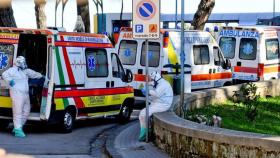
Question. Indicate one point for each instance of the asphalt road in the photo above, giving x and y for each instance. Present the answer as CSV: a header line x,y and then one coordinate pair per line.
x,y
42,140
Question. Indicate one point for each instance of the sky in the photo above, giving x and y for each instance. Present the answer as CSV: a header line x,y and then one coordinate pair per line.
x,y
25,15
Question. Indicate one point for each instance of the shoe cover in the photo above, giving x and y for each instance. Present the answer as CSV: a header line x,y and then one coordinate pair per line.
x,y
142,136
19,133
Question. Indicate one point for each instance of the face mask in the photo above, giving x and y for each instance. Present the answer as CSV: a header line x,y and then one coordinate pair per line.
x,y
22,66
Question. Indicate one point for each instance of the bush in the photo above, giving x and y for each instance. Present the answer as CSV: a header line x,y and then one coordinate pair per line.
x,y
249,97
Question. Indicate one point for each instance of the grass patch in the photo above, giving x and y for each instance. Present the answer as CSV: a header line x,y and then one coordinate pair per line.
x,y
234,117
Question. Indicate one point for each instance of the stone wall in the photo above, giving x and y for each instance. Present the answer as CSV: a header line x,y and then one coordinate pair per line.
x,y
183,138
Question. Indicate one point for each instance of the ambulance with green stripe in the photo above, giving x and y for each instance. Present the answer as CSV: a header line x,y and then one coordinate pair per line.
x,y
85,78
202,53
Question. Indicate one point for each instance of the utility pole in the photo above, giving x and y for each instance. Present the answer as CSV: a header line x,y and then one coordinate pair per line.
x,y
273,9
176,14
182,55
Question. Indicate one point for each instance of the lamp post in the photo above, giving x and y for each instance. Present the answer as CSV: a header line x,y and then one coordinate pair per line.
x,y
55,13
63,6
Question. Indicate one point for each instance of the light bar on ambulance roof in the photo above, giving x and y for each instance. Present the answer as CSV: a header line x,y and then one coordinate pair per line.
x,y
165,38
216,28
126,29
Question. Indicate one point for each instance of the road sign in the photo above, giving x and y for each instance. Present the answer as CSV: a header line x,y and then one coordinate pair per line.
x,y
146,19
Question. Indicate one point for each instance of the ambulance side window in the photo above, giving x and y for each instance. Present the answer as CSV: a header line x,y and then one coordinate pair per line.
x,y
272,49
218,59
127,52
248,49
227,44
97,63
117,69
201,55
154,54
6,57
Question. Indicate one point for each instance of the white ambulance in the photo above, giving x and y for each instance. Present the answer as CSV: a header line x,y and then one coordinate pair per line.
x,y
85,78
252,50
208,67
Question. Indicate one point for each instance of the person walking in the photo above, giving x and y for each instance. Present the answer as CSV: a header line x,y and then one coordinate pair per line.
x,y
160,98
17,78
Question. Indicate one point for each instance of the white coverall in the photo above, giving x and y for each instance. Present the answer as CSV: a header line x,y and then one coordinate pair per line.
x,y
160,98
20,92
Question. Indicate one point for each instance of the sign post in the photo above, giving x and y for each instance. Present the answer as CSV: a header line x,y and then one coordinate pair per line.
x,y
146,25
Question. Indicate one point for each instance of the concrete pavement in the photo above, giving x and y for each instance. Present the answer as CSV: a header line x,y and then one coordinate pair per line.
x,y
125,144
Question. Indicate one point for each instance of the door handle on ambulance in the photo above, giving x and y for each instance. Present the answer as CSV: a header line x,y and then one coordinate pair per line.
x,y
140,71
112,83
107,84
210,71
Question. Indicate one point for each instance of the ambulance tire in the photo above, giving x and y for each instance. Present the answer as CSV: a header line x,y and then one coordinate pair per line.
x,y
67,122
4,124
125,113
228,84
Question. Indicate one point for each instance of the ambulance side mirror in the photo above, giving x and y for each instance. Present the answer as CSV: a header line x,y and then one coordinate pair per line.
x,y
227,64
128,76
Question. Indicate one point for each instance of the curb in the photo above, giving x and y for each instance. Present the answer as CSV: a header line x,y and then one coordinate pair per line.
x,y
110,149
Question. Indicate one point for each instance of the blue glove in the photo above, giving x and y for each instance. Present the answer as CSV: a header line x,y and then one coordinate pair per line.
x,y
143,90
12,83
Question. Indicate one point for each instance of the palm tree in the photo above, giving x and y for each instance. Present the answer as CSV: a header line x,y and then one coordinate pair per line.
x,y
83,11
40,13
202,14
6,14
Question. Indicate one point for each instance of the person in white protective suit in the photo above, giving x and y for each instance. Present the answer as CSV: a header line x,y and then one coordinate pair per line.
x,y
17,78
161,97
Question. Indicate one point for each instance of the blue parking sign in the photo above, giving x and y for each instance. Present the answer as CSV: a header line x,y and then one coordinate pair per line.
x,y
139,28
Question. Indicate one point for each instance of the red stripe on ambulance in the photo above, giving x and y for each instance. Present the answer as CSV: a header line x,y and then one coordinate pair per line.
x,y
245,69
214,76
92,92
78,101
83,44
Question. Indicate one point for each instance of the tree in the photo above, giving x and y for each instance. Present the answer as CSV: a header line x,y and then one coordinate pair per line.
x,y
40,14
83,11
6,14
202,14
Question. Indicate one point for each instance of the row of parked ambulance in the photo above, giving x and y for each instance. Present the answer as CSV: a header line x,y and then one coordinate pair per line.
x,y
87,77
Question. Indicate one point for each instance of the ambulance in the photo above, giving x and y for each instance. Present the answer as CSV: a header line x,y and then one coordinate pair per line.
x,y
84,76
204,62
252,50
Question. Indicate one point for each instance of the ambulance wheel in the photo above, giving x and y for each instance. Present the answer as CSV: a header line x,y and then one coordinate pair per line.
x,y
228,84
68,121
124,115
4,124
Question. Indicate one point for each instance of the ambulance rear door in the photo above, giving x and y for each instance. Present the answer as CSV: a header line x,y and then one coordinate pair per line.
x,y
7,55
128,50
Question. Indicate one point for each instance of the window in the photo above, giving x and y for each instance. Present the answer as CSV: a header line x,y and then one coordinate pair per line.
x,y
248,49
117,69
201,55
127,52
154,54
6,57
272,49
218,58
97,63
227,44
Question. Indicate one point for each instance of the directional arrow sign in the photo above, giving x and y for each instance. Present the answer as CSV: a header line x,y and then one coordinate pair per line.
x,y
146,19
